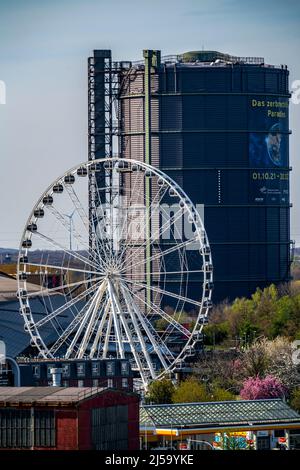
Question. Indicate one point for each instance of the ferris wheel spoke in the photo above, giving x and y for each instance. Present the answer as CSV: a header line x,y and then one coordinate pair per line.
x,y
143,231
142,246
69,330
84,322
86,222
99,334
66,306
43,292
172,272
100,249
78,206
105,245
61,268
107,336
133,194
92,322
176,247
71,253
89,225
128,333
158,345
165,292
154,206
114,310
132,312
170,320
66,224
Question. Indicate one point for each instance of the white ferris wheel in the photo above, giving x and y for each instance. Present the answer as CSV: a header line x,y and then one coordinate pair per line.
x,y
122,267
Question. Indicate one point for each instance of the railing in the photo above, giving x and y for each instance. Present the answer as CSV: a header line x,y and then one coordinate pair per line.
x,y
227,58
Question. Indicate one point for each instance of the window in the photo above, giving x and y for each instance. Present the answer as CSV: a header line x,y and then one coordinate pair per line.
x,y
294,439
124,383
124,368
15,428
263,443
110,383
110,368
44,428
80,383
80,369
95,368
95,382
66,370
36,371
49,367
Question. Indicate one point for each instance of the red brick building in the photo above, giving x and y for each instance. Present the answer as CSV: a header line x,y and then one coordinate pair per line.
x,y
68,418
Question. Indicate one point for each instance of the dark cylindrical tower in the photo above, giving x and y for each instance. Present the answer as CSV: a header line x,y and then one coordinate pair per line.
x,y
219,126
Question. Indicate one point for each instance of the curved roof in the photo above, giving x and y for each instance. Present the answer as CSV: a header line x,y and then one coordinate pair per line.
x,y
12,323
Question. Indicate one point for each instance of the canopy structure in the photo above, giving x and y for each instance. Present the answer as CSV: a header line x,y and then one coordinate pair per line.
x,y
211,417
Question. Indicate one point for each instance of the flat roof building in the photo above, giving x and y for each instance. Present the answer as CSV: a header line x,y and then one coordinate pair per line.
x,y
264,423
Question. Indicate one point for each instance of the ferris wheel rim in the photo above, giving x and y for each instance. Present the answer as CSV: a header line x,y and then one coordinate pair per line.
x,y
191,211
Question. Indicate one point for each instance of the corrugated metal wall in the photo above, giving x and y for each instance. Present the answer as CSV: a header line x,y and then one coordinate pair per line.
x,y
110,428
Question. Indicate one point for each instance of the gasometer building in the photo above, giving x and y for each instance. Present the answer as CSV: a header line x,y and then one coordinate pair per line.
x,y
219,126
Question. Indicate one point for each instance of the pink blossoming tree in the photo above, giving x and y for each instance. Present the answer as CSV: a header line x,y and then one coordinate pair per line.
x,y
255,388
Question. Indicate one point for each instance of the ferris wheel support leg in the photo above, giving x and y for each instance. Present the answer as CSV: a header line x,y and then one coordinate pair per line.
x,y
156,347
71,348
113,299
106,341
92,321
132,314
100,329
129,337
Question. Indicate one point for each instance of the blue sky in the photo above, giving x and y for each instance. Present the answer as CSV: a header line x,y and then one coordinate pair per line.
x,y
43,50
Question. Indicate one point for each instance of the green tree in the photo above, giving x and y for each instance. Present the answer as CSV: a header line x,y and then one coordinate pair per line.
x,y
247,332
220,394
295,400
240,314
216,333
190,391
282,315
160,392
